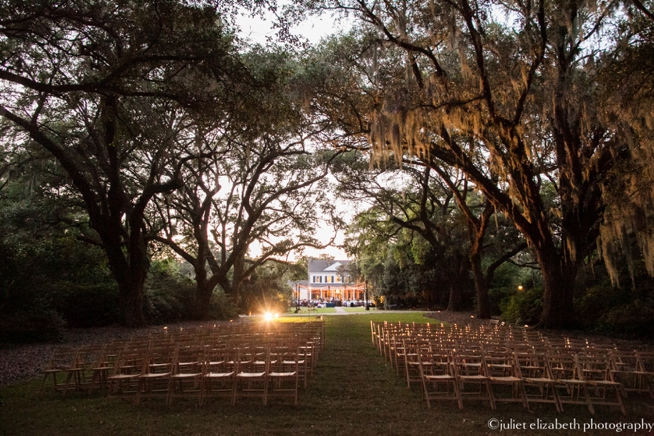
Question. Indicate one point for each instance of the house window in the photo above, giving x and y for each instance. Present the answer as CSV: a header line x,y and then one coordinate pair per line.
x,y
338,279
317,279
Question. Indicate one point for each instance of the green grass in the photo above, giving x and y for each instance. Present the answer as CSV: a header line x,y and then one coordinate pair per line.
x,y
306,311
354,392
357,309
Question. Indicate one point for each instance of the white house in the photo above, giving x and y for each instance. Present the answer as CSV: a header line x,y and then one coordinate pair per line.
x,y
328,280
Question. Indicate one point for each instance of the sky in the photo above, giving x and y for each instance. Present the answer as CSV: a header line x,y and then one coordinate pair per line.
x,y
257,29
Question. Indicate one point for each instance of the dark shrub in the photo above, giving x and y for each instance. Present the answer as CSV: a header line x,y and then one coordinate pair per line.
x,y
222,306
168,295
596,301
84,305
523,307
497,295
35,325
635,319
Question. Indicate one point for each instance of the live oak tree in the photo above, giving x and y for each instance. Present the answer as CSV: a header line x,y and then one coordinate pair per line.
x,y
478,213
44,264
267,191
514,82
627,87
257,182
409,199
109,89
437,206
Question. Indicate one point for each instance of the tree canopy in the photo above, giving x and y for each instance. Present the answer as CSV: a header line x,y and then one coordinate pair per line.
x,y
466,136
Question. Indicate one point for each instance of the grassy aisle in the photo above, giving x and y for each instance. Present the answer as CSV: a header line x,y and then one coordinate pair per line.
x,y
354,392
357,392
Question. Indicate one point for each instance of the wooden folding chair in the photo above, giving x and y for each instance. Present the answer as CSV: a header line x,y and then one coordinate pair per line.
x,y
572,388
472,376
625,369
437,375
539,384
61,361
129,366
155,379
187,372
503,371
374,332
253,382
308,356
285,381
645,371
83,371
412,362
398,353
596,370
218,376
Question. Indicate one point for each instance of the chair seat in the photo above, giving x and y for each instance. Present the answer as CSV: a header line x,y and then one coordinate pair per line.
x,y
251,374
603,383
187,375
538,380
123,376
508,379
219,374
292,362
572,381
439,377
155,375
473,377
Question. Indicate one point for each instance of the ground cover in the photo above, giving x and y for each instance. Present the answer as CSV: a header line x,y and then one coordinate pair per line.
x,y
314,310
357,309
354,391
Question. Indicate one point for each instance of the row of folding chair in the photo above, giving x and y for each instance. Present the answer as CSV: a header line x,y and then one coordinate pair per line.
x,y
89,367
494,377
206,372
532,368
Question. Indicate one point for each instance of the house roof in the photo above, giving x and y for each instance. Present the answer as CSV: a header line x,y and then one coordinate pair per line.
x,y
326,265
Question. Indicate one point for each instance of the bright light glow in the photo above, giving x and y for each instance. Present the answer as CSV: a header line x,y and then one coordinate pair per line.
x,y
268,316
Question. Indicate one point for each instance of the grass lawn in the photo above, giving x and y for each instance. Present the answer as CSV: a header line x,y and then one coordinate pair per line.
x,y
354,392
361,309
306,311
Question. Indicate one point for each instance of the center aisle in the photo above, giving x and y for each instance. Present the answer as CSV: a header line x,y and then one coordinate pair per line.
x,y
352,380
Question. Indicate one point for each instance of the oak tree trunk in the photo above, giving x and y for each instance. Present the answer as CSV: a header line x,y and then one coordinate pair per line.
x,y
558,280
481,287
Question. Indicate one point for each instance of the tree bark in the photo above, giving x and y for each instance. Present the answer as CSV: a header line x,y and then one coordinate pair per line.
x,y
129,271
204,290
454,304
558,280
481,287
